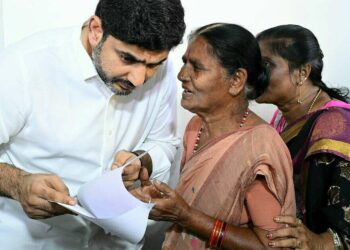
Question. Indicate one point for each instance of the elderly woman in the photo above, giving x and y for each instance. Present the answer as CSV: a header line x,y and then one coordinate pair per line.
x,y
313,120
236,172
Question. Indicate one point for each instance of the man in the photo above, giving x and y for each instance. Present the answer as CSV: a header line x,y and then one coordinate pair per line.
x,y
77,102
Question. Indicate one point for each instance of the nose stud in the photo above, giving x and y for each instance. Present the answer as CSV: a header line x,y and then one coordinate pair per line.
x,y
184,78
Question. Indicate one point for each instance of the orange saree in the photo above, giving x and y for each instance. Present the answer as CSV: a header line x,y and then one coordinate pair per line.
x,y
216,178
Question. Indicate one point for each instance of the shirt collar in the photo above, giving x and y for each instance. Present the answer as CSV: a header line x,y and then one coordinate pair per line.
x,y
83,60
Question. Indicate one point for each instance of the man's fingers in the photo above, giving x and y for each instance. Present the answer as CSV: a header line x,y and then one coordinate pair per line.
x,y
57,191
144,177
131,170
36,213
51,194
128,184
122,157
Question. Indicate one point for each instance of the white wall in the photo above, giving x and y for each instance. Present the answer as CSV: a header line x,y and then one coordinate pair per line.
x,y
328,19
1,27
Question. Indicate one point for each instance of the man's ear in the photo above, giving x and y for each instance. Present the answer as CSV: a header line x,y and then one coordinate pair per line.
x,y
95,31
237,81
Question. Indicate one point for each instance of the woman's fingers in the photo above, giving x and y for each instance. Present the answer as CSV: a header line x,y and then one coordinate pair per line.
x,y
289,242
289,220
282,233
163,188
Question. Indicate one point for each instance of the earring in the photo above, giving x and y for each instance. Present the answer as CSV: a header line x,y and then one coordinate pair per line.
x,y
299,84
299,101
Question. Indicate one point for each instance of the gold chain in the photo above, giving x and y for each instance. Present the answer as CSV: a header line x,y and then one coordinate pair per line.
x,y
314,100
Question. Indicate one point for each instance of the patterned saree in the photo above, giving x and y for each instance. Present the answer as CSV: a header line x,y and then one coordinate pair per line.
x,y
319,143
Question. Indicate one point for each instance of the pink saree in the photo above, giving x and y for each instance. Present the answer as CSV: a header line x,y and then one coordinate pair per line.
x,y
215,179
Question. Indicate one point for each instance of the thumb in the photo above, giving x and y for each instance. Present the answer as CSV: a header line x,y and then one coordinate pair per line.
x,y
163,188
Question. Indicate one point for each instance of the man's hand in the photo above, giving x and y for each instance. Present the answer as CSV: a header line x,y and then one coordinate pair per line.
x,y
131,173
38,192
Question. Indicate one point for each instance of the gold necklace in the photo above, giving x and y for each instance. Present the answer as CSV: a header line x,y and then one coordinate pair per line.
x,y
314,100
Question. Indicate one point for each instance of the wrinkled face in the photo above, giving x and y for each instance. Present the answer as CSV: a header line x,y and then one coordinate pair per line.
x,y
282,85
205,82
124,66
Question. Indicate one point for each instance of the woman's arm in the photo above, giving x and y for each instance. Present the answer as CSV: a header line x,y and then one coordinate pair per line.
x,y
328,191
172,207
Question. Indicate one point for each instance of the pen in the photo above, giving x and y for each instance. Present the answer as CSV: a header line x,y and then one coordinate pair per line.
x,y
136,157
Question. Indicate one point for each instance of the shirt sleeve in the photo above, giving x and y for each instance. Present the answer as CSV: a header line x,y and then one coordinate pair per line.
x,y
262,205
14,104
162,138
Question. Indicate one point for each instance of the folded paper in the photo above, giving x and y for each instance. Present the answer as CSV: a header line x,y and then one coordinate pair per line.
x,y
106,202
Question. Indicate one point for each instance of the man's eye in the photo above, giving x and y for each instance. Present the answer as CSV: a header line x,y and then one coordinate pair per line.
x,y
154,66
126,58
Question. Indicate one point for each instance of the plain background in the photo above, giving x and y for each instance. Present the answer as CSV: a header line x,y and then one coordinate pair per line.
x,y
328,19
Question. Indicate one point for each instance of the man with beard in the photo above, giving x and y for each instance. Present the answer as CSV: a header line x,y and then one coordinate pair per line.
x,y
76,102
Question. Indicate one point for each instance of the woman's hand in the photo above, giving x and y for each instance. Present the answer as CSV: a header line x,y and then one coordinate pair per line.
x,y
169,205
294,235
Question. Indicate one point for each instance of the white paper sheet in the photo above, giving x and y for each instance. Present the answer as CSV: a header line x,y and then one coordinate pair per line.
x,y
106,202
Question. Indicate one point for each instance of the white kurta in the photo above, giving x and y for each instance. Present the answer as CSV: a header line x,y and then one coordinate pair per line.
x,y
58,117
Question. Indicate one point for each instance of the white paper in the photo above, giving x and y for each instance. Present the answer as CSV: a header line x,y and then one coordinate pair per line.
x,y
106,202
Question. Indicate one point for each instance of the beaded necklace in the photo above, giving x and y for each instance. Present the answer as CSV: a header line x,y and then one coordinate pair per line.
x,y
241,124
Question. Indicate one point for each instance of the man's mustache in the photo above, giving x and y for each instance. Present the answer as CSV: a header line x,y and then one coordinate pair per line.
x,y
124,82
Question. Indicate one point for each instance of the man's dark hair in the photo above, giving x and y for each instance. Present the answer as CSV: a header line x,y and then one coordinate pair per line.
x,y
155,25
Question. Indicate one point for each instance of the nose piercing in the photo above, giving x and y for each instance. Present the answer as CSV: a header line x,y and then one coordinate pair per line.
x,y
182,77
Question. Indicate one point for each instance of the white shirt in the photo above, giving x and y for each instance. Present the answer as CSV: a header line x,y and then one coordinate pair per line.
x,y
58,117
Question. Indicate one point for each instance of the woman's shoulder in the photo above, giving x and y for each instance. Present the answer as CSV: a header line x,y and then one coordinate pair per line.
x,y
264,131
194,124
333,122
264,136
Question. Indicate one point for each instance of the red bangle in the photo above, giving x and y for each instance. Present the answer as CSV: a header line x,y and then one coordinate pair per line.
x,y
215,233
222,234
212,234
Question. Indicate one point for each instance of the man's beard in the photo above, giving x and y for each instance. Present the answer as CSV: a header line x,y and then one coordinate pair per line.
x,y
111,82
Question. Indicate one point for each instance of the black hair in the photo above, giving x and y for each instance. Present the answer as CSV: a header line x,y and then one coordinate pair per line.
x,y
155,25
235,47
299,46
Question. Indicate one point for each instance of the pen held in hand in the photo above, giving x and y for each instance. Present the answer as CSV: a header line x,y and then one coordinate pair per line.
x,y
135,158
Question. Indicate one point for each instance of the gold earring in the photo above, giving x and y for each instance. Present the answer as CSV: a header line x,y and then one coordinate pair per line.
x,y
299,101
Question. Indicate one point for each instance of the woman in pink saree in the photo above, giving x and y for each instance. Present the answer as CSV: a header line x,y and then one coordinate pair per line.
x,y
236,172
313,120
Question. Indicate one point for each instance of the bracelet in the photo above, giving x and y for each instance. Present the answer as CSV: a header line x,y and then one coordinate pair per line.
x,y
222,235
336,240
217,234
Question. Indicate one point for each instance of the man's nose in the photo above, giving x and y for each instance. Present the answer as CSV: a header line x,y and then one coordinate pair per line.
x,y
137,76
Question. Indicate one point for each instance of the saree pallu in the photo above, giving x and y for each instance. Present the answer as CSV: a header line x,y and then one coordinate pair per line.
x,y
322,168
215,179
